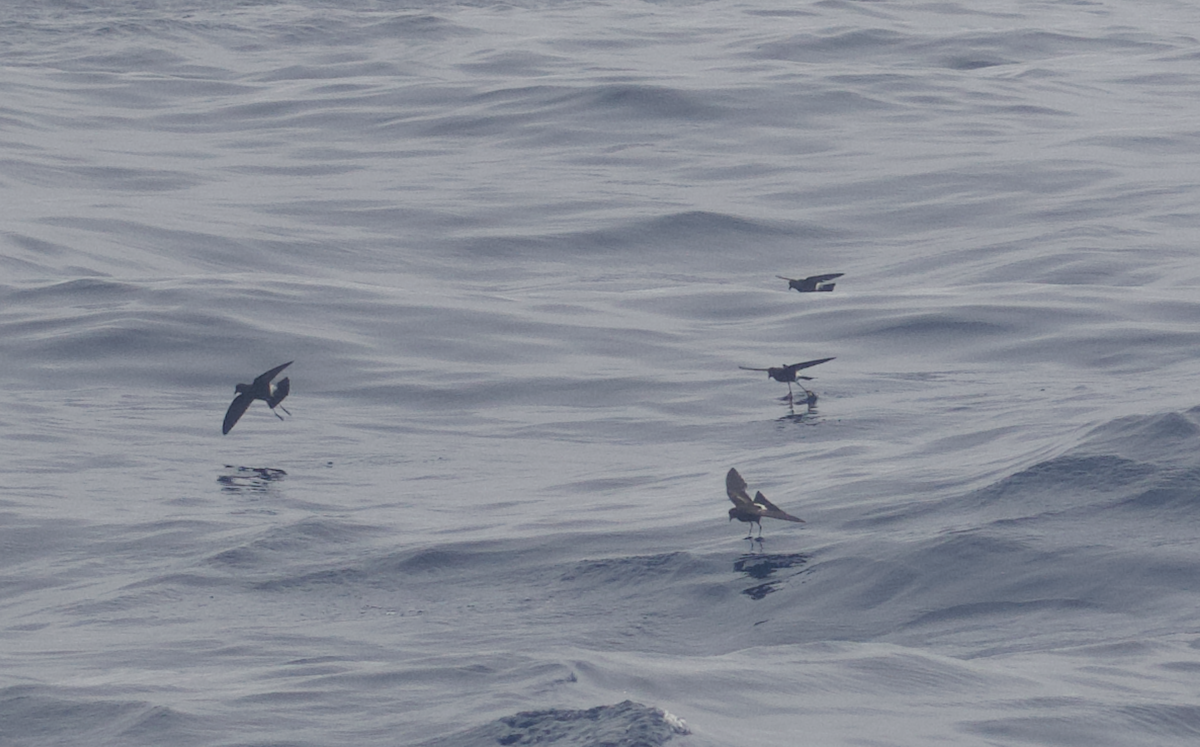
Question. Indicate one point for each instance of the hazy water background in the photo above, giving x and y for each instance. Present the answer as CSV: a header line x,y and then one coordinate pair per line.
x,y
518,251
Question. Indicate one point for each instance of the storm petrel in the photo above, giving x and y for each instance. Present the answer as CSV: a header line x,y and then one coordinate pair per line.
x,y
747,510
260,389
813,283
787,374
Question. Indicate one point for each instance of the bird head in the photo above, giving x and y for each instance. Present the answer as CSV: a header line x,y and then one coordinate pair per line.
x,y
241,388
732,513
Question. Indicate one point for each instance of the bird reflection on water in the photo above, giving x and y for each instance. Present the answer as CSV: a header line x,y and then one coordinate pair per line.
x,y
807,415
760,567
249,479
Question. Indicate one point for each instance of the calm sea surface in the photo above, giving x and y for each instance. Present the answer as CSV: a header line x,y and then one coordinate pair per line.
x,y
518,252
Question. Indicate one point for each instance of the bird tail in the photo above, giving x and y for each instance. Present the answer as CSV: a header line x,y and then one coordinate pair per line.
x,y
281,391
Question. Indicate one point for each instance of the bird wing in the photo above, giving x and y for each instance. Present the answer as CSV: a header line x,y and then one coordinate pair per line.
x,y
747,368
735,488
281,391
821,278
806,364
237,408
266,378
790,280
771,510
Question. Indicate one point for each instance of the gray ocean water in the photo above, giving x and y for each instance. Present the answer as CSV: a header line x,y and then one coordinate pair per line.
x,y
518,252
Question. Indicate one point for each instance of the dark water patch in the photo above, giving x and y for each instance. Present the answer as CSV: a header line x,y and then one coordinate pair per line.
x,y
975,611
1066,729
1137,463
723,236
107,178
441,560
909,672
1149,145
330,71
308,543
311,534
971,63
604,485
813,47
419,25
514,63
1179,490
620,103
160,724
186,580
25,540
238,557
77,292
626,724
335,577
941,328
316,666
1187,667
1165,438
280,698
624,102
1162,718
1066,475
35,716
625,570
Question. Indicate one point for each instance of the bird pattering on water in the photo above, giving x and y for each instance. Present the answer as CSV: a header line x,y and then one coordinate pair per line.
x,y
787,374
260,389
813,282
751,510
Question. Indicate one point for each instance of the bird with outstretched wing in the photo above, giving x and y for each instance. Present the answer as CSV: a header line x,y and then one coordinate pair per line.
x,y
787,373
751,510
260,389
813,282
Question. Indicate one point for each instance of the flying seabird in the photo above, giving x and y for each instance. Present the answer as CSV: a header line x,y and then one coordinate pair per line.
x,y
813,283
787,374
748,510
260,389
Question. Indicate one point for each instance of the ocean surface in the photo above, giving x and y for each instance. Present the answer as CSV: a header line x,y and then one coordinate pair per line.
x,y
518,252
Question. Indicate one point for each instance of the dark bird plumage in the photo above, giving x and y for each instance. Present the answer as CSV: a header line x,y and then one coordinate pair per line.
x,y
787,374
260,389
812,283
751,510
